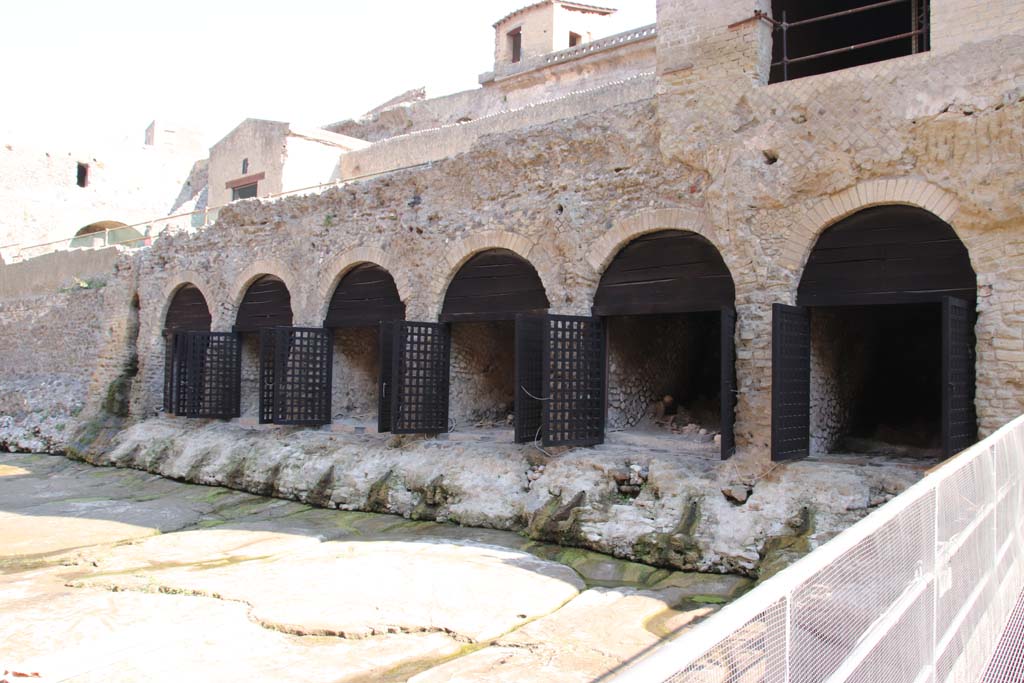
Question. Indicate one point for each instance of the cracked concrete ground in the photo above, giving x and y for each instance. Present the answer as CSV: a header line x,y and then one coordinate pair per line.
x,y
118,575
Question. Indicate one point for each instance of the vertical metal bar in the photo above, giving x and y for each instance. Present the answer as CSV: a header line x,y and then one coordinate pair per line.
x,y
914,25
785,47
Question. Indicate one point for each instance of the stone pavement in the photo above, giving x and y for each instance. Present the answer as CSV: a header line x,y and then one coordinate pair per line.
x,y
118,575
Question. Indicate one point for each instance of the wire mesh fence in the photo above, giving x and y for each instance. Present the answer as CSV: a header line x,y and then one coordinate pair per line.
x,y
919,591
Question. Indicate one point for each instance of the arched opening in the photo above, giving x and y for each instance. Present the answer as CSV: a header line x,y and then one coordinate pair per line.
x,y
886,305
107,234
365,298
187,312
267,304
667,304
481,305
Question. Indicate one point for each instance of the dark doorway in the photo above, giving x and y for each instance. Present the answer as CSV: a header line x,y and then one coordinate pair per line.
x,y
267,304
364,298
878,356
481,306
876,376
666,299
187,312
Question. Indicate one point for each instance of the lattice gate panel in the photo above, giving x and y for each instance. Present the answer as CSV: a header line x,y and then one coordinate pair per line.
x,y
529,376
420,367
959,422
302,375
170,395
791,382
728,382
219,382
385,381
267,357
176,374
574,376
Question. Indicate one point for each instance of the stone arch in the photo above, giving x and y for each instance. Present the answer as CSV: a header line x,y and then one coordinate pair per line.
x,y
826,212
465,249
256,270
340,266
625,231
176,282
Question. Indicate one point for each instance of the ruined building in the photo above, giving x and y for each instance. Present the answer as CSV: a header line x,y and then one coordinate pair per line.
x,y
803,225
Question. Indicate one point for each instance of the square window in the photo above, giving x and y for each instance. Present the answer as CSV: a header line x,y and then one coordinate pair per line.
x,y
244,192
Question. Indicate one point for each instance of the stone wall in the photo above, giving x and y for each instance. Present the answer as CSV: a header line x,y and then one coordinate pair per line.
x,y
356,373
787,161
835,362
434,144
67,350
482,373
650,357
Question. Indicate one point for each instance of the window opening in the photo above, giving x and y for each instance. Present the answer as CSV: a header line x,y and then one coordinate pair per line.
x,y
515,41
574,39
807,41
244,192
83,175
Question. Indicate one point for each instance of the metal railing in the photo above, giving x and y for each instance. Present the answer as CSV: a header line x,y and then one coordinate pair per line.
x,y
918,591
919,14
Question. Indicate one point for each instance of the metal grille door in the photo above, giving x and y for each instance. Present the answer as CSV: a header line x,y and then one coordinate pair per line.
x,y
791,382
176,374
303,359
387,349
959,422
728,382
574,376
216,375
267,356
529,376
419,370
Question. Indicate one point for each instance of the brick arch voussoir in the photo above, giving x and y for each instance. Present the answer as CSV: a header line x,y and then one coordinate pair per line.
x,y
228,307
339,266
827,211
465,249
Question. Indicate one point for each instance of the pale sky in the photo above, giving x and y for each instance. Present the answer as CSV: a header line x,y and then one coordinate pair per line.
x,y
102,70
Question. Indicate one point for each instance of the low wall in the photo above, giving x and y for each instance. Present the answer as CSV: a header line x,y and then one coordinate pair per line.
x,y
439,143
53,272
67,352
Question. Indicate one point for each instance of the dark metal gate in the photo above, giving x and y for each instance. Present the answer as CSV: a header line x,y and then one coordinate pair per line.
x,y
419,376
205,375
959,420
303,359
728,382
175,373
267,384
218,357
385,382
574,379
530,391
791,382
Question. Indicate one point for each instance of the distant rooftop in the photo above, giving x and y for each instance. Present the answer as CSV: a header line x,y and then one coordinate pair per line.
x,y
578,6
